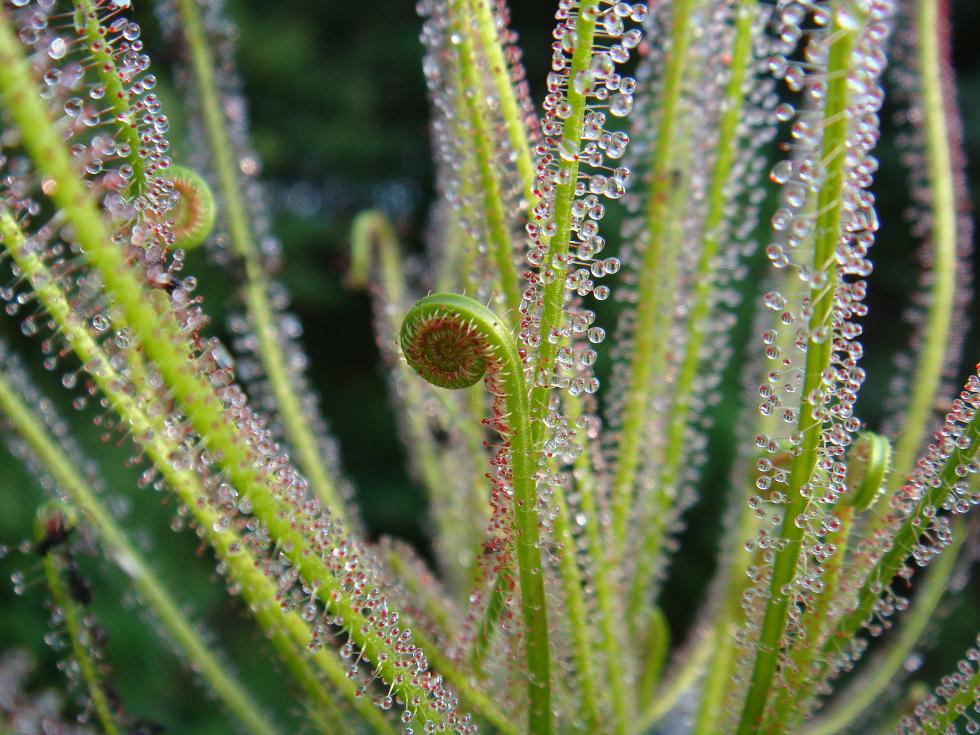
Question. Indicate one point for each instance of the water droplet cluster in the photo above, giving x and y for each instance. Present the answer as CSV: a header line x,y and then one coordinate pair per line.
x,y
690,224
221,35
343,589
823,229
100,91
17,375
248,249
955,700
30,711
355,605
96,78
579,146
74,636
797,231
942,485
449,34
580,171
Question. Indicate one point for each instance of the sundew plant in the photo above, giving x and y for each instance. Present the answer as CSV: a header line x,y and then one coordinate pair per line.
x,y
735,142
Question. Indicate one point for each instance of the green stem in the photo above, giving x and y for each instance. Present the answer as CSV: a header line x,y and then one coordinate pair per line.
x,y
154,327
419,583
300,435
903,542
658,509
558,245
956,706
698,322
924,385
657,646
488,623
481,703
553,309
467,277
240,703
869,689
486,26
818,354
116,95
258,591
452,341
791,697
649,347
734,579
733,575
507,98
372,239
583,651
602,571
718,678
494,217
452,507
868,462
77,633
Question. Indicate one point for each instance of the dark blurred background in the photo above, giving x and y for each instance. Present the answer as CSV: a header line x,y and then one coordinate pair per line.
x,y
339,119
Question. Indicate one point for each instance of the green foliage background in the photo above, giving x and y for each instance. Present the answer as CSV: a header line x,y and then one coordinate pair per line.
x,y
339,118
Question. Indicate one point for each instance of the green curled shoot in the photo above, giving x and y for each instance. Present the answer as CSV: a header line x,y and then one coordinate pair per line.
x,y
453,341
192,217
371,231
870,459
447,351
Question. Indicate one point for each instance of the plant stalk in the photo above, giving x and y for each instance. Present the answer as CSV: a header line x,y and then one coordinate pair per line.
x,y
300,435
648,360
240,703
478,328
153,325
937,95
818,355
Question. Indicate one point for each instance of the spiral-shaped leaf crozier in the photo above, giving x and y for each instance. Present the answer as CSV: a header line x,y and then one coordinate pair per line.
x,y
193,214
452,341
446,348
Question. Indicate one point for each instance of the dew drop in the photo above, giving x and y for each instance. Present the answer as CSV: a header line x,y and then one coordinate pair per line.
x,y
621,104
781,172
584,81
58,48
602,65
784,112
568,150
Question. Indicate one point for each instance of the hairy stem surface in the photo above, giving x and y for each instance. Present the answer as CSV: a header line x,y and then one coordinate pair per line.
x,y
818,355
452,341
